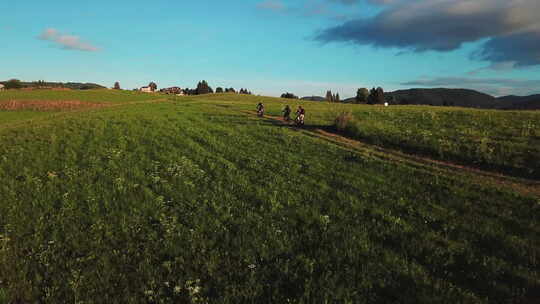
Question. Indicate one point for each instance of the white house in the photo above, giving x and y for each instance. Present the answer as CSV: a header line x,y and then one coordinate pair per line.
x,y
146,89
2,87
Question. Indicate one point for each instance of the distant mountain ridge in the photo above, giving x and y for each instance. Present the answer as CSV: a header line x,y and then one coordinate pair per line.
x,y
453,97
443,97
65,85
531,102
314,98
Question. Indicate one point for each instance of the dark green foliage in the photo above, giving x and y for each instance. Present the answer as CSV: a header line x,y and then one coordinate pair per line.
x,y
379,96
289,96
203,88
13,84
362,95
153,86
329,96
376,96
219,90
230,90
116,86
336,98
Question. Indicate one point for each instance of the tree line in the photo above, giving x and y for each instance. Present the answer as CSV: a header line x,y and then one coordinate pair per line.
x,y
375,96
14,84
363,95
202,88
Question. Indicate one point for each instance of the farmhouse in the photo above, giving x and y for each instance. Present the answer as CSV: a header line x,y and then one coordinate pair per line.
x,y
172,90
2,87
146,89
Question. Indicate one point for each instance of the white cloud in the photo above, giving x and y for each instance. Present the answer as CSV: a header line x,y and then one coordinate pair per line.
x,y
497,67
67,42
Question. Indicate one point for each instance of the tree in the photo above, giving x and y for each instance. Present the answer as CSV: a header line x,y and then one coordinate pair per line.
x,y
379,95
371,97
362,95
336,98
329,96
153,86
39,84
117,85
203,88
289,96
13,84
219,90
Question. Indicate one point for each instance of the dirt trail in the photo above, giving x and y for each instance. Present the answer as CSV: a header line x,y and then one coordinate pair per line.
x,y
523,186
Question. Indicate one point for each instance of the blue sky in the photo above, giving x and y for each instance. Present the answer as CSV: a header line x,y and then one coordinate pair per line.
x,y
301,46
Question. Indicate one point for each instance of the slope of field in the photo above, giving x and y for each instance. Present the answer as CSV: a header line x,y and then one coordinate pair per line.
x,y
94,96
507,141
193,200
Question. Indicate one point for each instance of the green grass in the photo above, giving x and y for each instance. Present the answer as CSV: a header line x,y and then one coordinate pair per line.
x,y
7,117
95,96
193,201
506,141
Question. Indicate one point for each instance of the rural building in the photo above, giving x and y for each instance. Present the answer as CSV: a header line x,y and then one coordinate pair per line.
x,y
172,90
2,87
146,89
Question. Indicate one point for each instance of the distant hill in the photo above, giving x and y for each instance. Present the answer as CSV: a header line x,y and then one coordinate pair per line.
x,y
512,102
65,85
453,97
443,97
314,98
349,100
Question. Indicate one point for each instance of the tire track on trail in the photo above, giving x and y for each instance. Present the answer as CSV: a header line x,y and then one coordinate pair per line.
x,y
522,186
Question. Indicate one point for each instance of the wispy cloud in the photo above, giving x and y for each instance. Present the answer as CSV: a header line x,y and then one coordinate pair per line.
x,y
307,8
497,67
67,42
272,5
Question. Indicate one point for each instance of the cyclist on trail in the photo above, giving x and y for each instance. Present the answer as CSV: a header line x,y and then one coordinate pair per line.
x,y
287,113
260,109
300,115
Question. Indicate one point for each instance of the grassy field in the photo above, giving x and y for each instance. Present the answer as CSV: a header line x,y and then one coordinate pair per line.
x,y
194,200
93,96
496,140
502,141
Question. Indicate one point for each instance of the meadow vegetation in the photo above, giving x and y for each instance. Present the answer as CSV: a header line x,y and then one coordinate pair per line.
x,y
507,141
93,96
195,200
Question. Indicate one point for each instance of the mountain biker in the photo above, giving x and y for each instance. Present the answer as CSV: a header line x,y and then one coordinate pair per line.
x,y
260,109
300,115
287,113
